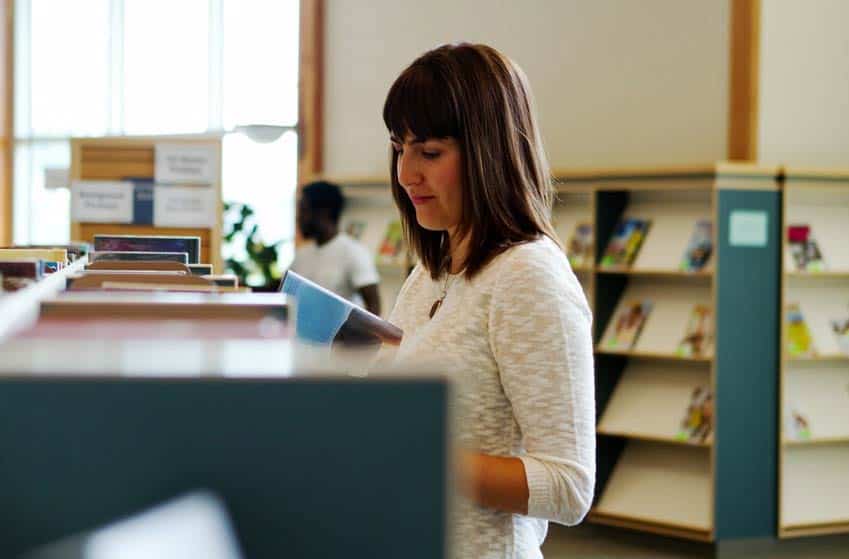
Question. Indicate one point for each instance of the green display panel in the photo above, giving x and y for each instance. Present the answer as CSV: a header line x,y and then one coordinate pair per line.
x,y
748,323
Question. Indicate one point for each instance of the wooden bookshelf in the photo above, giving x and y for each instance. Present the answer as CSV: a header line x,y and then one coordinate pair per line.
x,y
119,158
813,486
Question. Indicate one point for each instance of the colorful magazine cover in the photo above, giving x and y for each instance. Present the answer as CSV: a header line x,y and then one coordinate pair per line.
x,y
625,243
699,248
392,248
698,337
628,325
697,424
800,343
840,327
149,243
804,249
579,249
797,427
355,229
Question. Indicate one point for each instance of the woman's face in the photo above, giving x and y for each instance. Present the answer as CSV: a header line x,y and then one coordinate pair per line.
x,y
430,171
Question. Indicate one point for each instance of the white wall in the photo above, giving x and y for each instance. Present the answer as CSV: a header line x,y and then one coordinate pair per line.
x,y
804,83
617,82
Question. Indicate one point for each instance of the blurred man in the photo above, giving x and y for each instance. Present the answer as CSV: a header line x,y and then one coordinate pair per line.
x,y
335,261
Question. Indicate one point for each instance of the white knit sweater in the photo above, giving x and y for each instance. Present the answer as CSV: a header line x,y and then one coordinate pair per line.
x,y
518,340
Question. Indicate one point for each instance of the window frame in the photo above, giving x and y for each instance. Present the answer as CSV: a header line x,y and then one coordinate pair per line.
x,y
310,92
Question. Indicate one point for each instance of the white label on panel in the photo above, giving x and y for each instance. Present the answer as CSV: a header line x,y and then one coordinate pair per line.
x,y
748,228
184,206
186,164
102,201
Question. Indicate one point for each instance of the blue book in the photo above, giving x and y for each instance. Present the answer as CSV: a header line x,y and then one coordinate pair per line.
x,y
325,318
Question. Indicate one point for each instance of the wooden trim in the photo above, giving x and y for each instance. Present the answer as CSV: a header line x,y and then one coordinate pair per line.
x,y
311,91
655,273
657,356
6,119
826,528
663,529
744,68
604,173
652,438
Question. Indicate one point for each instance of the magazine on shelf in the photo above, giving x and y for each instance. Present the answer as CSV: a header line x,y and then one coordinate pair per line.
x,y
391,249
579,248
625,243
697,424
796,425
627,325
800,343
149,243
355,229
325,318
804,248
699,248
698,336
840,328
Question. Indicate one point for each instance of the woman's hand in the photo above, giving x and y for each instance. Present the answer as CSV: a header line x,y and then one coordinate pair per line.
x,y
495,482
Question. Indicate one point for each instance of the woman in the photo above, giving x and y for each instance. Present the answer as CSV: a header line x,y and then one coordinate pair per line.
x,y
493,296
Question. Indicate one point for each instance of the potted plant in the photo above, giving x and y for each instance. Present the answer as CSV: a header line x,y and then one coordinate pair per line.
x,y
246,255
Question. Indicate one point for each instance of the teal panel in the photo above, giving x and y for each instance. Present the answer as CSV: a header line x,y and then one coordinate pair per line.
x,y
331,468
748,322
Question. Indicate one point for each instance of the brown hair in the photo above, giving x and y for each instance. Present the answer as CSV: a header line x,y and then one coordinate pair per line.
x,y
481,98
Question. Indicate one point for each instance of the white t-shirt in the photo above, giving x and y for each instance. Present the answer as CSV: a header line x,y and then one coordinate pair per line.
x,y
341,265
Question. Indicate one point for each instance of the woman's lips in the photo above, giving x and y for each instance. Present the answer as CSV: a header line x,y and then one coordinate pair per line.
x,y
419,200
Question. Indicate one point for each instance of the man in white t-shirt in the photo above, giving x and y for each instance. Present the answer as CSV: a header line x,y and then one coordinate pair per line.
x,y
334,260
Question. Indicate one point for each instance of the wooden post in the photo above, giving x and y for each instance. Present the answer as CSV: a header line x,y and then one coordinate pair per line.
x,y
744,65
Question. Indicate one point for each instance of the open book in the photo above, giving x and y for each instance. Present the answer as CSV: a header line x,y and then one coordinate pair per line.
x,y
322,317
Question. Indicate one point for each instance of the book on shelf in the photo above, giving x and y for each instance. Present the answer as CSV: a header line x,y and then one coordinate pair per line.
x,y
804,248
840,328
628,237
699,248
355,229
391,249
51,259
800,343
697,423
796,425
698,336
325,318
17,274
627,325
73,250
149,243
579,248
140,256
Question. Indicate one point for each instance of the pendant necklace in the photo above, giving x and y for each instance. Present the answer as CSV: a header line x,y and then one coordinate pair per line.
x,y
438,302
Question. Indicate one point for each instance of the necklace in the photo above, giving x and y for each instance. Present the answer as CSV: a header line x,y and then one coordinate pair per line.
x,y
438,302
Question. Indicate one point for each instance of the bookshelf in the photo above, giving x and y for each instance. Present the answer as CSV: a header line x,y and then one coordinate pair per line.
x,y
813,486
651,475
574,206
120,158
370,203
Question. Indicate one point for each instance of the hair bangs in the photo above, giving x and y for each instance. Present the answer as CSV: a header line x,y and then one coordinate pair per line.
x,y
419,105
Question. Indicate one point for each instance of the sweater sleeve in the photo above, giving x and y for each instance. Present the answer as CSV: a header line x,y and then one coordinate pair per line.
x,y
540,334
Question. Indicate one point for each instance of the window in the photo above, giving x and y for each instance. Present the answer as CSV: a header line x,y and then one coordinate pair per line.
x,y
126,67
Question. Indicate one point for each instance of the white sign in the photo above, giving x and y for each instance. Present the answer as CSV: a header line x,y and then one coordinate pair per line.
x,y
56,177
185,164
102,201
748,229
184,206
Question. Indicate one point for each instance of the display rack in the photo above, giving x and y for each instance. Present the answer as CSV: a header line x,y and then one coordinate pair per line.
x,y
652,475
122,158
814,453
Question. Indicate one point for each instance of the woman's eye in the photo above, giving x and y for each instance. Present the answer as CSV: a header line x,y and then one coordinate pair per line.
x,y
430,154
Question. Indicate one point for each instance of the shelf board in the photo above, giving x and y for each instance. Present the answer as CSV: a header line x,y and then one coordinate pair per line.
x,y
653,438
659,273
816,358
649,355
643,525
814,529
830,274
815,441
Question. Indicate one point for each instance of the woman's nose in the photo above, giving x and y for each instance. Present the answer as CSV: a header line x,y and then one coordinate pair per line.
x,y
408,172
